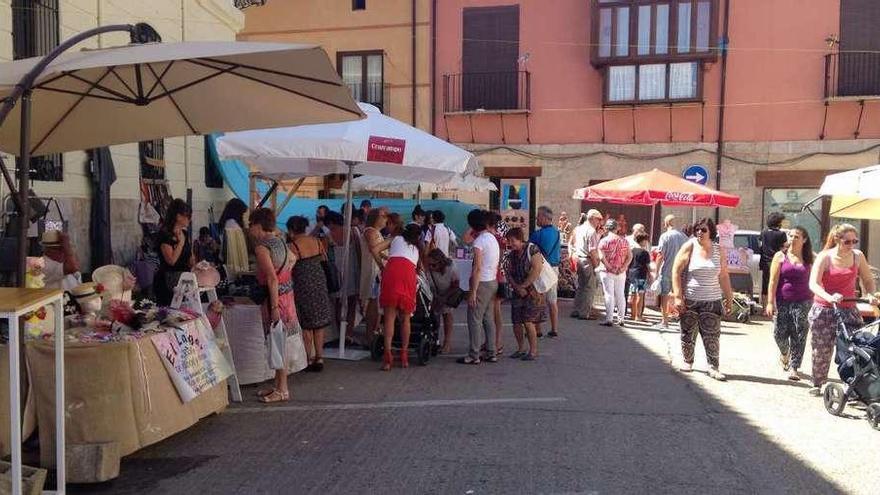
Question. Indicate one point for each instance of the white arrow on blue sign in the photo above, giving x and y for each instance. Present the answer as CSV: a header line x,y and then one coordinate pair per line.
x,y
696,174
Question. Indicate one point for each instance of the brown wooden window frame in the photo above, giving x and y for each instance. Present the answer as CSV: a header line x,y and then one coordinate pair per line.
x,y
698,96
364,54
672,54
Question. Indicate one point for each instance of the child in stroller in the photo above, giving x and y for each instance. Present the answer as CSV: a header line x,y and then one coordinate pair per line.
x,y
857,355
424,336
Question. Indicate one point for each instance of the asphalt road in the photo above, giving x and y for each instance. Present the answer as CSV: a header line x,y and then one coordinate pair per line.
x,y
601,411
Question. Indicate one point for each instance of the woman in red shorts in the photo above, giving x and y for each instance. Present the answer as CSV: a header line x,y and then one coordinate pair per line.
x,y
397,293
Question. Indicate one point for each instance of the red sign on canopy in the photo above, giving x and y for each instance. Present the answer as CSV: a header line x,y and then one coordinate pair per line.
x,y
386,150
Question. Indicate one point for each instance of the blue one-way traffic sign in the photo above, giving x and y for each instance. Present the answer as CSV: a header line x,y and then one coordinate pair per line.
x,y
696,174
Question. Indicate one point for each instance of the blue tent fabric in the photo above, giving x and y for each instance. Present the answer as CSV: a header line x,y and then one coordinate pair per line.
x,y
235,174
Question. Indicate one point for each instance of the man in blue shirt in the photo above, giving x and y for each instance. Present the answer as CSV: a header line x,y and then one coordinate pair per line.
x,y
549,241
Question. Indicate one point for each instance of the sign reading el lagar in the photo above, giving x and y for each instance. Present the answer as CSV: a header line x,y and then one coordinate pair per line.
x,y
385,150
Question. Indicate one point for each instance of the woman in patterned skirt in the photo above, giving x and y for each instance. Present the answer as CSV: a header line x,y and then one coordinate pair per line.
x,y
312,300
527,306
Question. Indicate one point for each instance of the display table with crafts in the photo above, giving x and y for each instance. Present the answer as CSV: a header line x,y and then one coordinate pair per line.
x,y
133,388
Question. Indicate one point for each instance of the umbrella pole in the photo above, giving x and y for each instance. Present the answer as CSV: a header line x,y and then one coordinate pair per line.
x,y
343,320
419,194
24,166
653,212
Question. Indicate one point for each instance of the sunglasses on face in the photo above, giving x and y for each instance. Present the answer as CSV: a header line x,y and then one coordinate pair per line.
x,y
850,242
700,230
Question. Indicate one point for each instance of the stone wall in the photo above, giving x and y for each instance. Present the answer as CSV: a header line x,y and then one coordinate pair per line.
x,y
560,176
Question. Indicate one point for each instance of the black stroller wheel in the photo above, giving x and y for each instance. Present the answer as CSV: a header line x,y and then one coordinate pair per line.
x,y
874,416
835,399
377,347
424,352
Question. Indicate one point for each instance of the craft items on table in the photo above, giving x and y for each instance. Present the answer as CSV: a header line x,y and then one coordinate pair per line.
x,y
117,282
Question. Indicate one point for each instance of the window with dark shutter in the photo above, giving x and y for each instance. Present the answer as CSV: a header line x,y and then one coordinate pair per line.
x,y
358,4
35,32
856,67
490,78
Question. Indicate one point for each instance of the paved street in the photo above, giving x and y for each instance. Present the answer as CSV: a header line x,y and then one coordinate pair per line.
x,y
601,411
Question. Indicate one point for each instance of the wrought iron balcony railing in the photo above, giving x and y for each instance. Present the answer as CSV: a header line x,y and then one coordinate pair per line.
x,y
852,74
489,91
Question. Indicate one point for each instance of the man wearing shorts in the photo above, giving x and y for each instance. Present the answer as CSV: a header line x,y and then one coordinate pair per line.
x,y
549,241
671,242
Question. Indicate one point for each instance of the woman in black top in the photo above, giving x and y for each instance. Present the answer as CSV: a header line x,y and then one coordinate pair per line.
x,y
772,240
639,275
175,251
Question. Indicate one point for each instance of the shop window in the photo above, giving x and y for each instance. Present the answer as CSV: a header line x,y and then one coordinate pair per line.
x,y
152,158
655,30
35,32
790,202
363,73
650,83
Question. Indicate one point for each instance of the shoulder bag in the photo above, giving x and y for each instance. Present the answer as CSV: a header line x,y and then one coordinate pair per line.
x,y
260,293
548,278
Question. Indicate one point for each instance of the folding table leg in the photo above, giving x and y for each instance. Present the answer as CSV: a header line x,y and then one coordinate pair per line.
x,y
60,459
14,403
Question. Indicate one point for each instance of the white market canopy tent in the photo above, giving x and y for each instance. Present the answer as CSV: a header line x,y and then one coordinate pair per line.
x,y
376,146
855,193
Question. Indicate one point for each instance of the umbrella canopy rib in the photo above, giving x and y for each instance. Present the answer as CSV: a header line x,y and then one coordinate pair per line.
x,y
272,85
272,71
69,111
158,79
173,101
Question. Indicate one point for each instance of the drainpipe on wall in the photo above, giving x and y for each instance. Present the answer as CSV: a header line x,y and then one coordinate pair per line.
x,y
433,66
414,89
719,154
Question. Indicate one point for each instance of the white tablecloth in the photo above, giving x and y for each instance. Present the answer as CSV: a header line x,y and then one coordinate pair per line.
x,y
244,327
463,269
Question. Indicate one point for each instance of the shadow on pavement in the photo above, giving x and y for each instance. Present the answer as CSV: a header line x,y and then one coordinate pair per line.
x,y
617,419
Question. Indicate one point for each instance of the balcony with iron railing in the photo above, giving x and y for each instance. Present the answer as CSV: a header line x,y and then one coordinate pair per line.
x,y
487,91
243,4
852,75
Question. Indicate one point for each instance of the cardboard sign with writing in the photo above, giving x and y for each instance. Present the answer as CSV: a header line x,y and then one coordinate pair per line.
x,y
384,149
191,358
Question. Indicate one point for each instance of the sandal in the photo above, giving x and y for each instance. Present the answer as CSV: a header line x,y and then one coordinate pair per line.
x,y
276,396
500,351
265,392
518,355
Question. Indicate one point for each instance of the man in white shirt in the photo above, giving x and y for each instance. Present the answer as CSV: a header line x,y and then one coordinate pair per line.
x,y
440,234
484,287
583,249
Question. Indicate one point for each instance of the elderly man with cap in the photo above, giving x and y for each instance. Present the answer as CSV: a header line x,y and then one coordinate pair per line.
x,y
614,258
584,243
61,265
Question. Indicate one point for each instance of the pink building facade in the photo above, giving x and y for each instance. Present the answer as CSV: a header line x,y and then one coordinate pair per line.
x,y
558,95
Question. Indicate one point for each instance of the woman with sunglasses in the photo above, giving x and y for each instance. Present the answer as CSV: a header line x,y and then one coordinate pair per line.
x,y
789,299
701,287
833,281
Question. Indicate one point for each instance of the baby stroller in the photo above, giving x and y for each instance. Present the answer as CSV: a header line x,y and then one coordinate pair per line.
x,y
741,308
857,356
424,336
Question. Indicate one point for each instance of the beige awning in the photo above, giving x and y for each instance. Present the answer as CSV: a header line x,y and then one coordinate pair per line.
x,y
132,93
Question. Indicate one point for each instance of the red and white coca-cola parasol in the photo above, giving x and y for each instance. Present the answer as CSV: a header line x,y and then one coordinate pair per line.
x,y
653,187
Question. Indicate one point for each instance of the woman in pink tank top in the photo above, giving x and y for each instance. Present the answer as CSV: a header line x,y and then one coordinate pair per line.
x,y
833,279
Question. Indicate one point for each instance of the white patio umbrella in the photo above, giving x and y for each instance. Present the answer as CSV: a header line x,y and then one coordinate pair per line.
x,y
377,146
468,183
93,98
855,193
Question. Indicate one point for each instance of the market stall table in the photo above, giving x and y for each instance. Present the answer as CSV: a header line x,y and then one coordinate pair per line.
x,y
15,303
116,392
244,326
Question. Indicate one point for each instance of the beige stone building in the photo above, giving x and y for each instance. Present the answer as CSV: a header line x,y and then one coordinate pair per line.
x,y
184,165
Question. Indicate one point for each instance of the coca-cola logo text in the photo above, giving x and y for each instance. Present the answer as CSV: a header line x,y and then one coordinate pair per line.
x,y
681,197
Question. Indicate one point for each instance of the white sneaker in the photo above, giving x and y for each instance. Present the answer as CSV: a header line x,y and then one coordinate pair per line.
x,y
717,375
815,391
686,368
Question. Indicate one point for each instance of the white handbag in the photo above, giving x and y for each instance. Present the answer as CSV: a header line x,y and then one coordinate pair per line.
x,y
298,359
548,277
275,346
